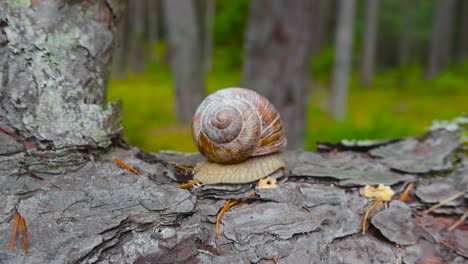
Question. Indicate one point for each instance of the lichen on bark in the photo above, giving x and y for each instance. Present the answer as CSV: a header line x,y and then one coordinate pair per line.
x,y
54,80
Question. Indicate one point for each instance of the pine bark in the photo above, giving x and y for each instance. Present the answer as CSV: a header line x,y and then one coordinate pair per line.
x,y
54,71
369,42
276,60
183,36
342,61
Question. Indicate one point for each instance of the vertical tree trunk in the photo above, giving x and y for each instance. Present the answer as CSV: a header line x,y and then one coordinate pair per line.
x,y
186,59
136,52
54,69
276,59
320,18
152,12
205,17
462,52
441,39
369,42
342,61
119,61
406,25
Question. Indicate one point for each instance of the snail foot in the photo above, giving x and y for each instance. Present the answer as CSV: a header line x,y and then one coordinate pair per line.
x,y
19,220
227,205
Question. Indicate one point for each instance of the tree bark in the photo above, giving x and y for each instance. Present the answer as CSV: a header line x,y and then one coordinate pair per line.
x,y
342,61
54,70
441,39
276,60
185,56
369,42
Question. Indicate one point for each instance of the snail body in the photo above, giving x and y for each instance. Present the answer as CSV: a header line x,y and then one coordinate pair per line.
x,y
240,133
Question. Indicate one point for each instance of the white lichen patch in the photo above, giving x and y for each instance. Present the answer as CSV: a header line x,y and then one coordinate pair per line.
x,y
456,124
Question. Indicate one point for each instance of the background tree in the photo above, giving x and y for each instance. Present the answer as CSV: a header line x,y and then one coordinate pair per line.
x,y
136,19
406,24
440,50
183,35
463,32
320,24
369,42
276,60
205,17
342,61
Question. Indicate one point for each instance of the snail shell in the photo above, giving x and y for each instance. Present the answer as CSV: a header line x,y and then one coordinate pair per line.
x,y
234,124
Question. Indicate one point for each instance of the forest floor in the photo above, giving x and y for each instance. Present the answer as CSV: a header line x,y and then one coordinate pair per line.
x,y
399,103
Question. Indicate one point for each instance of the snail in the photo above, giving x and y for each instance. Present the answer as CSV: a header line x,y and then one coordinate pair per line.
x,y
241,134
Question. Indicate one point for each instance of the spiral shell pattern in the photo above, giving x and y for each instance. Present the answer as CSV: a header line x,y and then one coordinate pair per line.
x,y
233,124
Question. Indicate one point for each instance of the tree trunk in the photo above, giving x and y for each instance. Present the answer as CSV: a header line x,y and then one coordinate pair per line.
x,y
136,52
369,42
54,72
462,53
185,55
441,39
152,21
406,25
119,62
276,60
342,61
320,19
205,15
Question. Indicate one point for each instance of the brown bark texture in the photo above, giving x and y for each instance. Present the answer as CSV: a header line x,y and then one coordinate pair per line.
x,y
183,35
276,60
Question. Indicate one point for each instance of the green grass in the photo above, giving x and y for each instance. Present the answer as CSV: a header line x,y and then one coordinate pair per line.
x,y
399,103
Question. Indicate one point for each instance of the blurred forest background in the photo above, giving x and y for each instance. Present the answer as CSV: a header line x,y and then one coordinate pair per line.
x,y
336,69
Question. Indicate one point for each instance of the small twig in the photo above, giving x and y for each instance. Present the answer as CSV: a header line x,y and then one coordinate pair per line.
x,y
25,237
451,198
15,231
459,222
227,205
189,184
126,166
407,192
366,215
